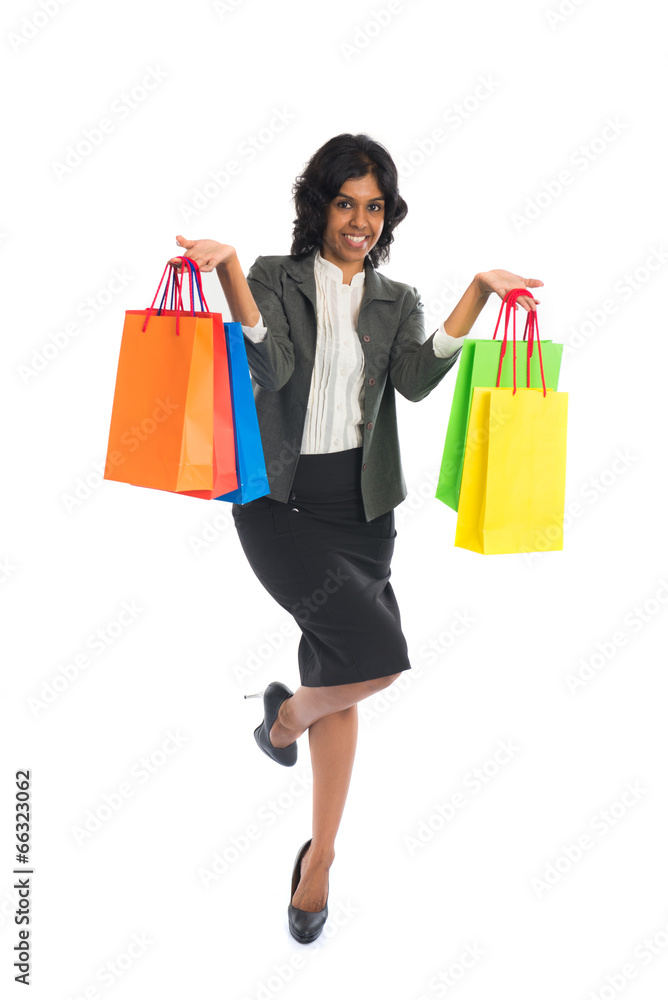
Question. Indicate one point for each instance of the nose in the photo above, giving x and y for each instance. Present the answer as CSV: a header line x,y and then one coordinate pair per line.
x,y
359,218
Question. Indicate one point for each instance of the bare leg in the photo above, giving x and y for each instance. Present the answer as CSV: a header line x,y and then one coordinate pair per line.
x,y
330,715
332,741
308,704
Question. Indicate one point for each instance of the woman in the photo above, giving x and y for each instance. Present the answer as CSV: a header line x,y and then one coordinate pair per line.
x,y
328,341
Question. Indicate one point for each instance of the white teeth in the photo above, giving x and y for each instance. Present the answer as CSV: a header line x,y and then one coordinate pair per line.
x,y
356,239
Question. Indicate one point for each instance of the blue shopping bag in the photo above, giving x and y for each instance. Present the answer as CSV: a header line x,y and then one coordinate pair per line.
x,y
251,469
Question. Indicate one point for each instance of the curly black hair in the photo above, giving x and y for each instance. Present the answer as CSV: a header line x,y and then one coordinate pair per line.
x,y
340,158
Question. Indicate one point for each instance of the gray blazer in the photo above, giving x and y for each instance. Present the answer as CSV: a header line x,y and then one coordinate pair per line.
x,y
396,356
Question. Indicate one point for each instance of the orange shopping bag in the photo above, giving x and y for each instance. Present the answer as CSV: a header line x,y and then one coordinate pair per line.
x,y
225,470
162,423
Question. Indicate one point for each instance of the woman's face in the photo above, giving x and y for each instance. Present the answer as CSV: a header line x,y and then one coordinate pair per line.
x,y
358,209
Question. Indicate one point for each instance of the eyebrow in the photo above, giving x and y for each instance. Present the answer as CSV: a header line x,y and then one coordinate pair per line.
x,y
349,198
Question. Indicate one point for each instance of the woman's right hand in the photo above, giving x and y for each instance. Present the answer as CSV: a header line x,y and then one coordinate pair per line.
x,y
207,254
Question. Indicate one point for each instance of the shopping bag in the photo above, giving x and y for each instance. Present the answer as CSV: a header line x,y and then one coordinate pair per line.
x,y
514,471
251,470
478,366
224,472
233,394
161,432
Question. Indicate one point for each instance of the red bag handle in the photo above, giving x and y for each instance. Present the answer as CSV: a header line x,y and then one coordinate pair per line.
x,y
531,332
194,275
193,270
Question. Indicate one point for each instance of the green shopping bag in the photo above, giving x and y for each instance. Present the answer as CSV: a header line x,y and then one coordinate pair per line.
x,y
479,366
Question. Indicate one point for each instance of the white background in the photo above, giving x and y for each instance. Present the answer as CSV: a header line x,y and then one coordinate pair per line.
x,y
400,918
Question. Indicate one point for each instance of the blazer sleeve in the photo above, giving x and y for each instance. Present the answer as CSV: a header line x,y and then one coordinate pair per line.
x,y
272,360
414,368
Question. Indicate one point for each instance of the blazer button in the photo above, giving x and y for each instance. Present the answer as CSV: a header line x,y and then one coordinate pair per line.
x,y
372,381
366,338
364,467
369,425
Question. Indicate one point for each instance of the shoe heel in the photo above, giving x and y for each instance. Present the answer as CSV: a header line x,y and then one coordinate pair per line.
x,y
258,694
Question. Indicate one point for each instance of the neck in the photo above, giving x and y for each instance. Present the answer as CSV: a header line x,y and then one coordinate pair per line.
x,y
349,268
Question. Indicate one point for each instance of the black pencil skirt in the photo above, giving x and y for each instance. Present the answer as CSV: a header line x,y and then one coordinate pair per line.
x,y
330,568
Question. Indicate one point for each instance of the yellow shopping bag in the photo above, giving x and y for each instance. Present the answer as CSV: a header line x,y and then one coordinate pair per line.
x,y
514,475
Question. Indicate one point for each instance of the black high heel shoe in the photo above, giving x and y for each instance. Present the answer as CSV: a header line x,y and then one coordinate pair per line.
x,y
273,696
304,925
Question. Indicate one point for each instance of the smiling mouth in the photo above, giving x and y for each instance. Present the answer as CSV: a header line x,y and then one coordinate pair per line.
x,y
354,238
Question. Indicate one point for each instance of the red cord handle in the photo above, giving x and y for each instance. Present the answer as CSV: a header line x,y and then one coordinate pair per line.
x,y
177,290
194,275
530,333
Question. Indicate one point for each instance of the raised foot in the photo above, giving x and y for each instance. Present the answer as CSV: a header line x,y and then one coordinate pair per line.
x,y
281,735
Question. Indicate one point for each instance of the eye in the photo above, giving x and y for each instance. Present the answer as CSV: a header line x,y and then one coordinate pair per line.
x,y
344,204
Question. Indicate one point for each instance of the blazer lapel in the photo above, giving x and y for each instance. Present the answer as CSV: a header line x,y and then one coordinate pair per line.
x,y
301,269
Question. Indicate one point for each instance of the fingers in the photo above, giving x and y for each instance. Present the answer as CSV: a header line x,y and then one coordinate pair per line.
x,y
529,302
182,242
176,262
203,263
525,301
202,260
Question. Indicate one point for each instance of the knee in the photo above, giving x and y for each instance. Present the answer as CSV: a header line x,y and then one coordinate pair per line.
x,y
379,683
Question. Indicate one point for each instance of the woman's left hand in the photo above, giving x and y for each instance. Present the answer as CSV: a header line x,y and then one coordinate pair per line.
x,y
502,281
